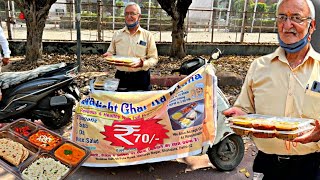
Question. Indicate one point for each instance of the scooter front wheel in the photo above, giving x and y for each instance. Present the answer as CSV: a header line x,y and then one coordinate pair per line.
x,y
227,154
58,118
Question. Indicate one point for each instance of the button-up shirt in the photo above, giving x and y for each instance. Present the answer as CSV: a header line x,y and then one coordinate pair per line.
x,y
4,44
272,87
141,44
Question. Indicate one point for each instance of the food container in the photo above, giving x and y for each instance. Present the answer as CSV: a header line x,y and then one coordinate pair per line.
x,y
121,60
106,83
31,143
186,116
263,126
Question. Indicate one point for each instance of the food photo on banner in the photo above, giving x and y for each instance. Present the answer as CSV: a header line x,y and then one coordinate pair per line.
x,y
127,128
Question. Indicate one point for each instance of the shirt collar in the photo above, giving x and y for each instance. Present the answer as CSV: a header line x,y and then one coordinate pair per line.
x,y
125,29
280,53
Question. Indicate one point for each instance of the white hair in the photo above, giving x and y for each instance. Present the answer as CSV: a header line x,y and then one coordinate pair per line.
x,y
310,5
133,4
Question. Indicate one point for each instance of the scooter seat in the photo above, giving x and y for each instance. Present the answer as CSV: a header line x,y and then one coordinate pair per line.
x,y
8,79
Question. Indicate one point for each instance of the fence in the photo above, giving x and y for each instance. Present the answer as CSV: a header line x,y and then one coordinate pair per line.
x,y
98,23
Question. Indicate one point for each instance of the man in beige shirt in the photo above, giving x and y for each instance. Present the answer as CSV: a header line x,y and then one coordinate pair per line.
x,y
134,41
276,84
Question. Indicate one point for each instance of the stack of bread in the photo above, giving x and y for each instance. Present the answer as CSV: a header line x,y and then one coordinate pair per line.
x,y
13,152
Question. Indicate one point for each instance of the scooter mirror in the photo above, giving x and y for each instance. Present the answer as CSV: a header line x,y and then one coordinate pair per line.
x,y
216,54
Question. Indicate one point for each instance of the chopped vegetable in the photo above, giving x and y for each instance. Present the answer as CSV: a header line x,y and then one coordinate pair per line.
x,y
67,152
24,130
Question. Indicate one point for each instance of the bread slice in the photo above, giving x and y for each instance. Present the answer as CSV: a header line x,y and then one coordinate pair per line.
x,y
12,151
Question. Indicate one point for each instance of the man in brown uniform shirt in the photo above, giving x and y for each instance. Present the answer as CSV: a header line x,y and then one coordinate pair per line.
x,y
278,84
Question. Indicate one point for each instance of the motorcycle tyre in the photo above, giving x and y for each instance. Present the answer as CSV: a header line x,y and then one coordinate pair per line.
x,y
236,157
63,119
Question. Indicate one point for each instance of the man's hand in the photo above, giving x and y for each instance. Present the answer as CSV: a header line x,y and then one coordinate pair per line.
x,y
233,111
311,136
137,64
5,61
107,54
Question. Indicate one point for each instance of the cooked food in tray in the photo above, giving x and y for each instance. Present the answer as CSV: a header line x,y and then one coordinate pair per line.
x,y
30,151
262,126
24,131
286,126
186,122
100,81
121,59
192,115
22,127
177,115
70,153
186,115
45,168
264,122
243,122
13,152
45,140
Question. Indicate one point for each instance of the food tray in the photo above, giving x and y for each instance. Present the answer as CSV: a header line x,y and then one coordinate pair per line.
x,y
121,60
263,126
37,143
285,135
106,83
186,116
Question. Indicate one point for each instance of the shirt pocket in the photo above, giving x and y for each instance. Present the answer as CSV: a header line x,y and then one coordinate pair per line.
x,y
311,104
141,51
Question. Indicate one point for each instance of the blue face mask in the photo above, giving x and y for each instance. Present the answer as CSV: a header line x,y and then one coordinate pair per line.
x,y
131,26
295,47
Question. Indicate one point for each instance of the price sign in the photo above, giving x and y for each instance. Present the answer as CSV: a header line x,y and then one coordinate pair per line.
x,y
138,134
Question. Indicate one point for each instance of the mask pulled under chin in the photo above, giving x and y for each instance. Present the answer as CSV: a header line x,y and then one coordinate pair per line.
x,y
131,26
295,47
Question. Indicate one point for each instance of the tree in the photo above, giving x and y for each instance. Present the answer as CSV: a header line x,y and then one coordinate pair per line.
x,y
36,13
261,8
239,4
177,9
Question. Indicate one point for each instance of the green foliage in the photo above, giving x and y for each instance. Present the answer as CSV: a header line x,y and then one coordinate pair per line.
x,y
119,3
238,5
120,8
273,8
88,13
261,8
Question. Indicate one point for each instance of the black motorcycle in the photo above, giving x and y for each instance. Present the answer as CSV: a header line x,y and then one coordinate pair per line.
x,y
48,93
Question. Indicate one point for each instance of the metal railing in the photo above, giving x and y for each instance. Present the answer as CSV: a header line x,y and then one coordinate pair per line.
x,y
98,23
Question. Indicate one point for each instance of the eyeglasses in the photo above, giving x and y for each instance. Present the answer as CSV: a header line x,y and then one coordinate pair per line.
x,y
297,19
130,14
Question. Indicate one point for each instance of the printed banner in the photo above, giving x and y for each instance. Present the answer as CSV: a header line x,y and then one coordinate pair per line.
x,y
126,128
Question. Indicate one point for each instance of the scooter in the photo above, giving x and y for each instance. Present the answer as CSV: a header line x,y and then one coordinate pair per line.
x,y
227,150
48,93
